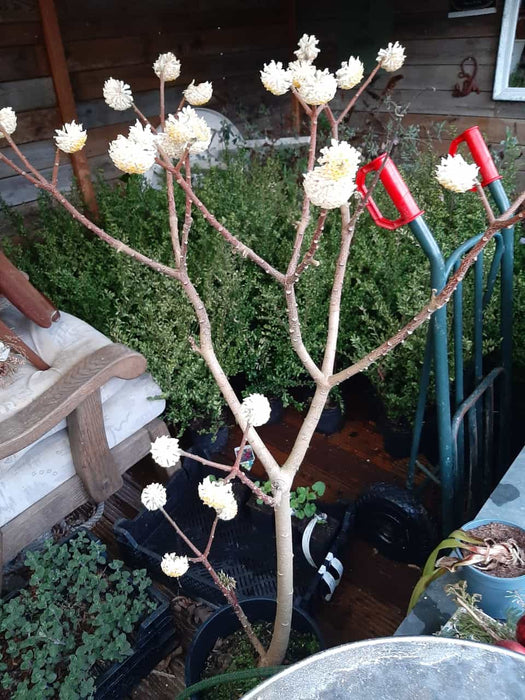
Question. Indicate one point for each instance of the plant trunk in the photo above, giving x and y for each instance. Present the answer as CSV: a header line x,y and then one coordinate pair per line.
x,y
283,616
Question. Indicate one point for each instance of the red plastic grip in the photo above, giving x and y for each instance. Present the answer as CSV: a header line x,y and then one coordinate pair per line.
x,y
397,190
480,152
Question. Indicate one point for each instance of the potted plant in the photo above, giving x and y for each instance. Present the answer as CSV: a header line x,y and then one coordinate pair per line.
x,y
83,626
491,557
328,184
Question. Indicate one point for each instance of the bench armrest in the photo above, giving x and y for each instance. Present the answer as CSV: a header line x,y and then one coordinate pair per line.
x,y
57,402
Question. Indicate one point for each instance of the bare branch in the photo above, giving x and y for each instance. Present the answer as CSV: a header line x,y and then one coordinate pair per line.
x,y
357,95
236,244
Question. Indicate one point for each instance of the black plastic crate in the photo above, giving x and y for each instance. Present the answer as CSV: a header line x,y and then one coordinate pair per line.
x,y
243,548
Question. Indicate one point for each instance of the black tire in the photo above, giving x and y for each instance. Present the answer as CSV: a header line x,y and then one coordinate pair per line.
x,y
394,521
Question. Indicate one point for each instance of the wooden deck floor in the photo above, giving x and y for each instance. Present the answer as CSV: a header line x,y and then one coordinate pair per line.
x,y
372,597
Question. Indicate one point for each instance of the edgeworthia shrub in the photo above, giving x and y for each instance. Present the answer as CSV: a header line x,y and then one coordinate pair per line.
x,y
328,183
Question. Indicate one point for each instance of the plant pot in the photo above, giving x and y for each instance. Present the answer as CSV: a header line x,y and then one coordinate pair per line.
x,y
207,444
331,420
224,622
277,410
496,593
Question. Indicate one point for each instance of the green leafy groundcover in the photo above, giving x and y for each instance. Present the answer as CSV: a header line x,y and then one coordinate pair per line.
x,y
76,617
257,196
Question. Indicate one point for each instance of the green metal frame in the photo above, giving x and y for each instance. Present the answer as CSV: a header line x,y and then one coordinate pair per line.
x,y
463,487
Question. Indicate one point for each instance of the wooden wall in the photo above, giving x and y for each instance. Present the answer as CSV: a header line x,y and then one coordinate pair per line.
x,y
226,41
435,46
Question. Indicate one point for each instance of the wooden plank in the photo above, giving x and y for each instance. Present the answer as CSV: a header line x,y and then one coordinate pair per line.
x,y
157,23
21,62
440,77
92,458
492,128
19,11
20,33
88,85
17,190
436,26
40,154
36,125
22,95
64,93
434,6
57,402
451,52
437,102
90,54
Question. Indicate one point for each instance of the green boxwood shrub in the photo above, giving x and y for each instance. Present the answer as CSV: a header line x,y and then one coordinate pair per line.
x,y
257,196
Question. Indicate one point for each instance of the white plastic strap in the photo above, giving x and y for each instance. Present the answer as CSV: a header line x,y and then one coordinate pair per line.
x,y
330,582
307,535
335,563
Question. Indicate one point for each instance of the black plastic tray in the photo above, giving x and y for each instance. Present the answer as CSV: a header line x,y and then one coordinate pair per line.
x,y
243,548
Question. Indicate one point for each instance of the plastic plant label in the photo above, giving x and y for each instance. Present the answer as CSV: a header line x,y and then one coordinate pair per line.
x,y
247,457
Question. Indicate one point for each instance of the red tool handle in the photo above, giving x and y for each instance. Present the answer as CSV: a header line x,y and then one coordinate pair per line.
x,y
481,154
397,190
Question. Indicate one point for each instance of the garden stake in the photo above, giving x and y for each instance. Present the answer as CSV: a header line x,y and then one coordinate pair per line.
x,y
451,440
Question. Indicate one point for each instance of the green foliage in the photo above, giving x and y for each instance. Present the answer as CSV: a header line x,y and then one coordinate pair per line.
x,y
302,500
77,611
257,196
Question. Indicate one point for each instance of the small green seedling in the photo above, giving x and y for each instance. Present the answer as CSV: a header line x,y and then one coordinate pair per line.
x,y
302,500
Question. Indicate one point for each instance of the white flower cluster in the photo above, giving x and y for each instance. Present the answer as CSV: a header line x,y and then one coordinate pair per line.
x,y
307,50
318,88
391,58
275,78
455,174
301,72
199,94
187,131
350,74
154,496
117,94
315,86
256,410
174,565
339,160
166,451
7,120
135,153
167,67
219,495
332,182
71,137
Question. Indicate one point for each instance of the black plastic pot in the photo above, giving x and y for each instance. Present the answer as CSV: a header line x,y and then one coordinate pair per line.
x,y
207,444
224,622
331,421
277,411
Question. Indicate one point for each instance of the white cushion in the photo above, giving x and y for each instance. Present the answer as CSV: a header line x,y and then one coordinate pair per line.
x,y
36,470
